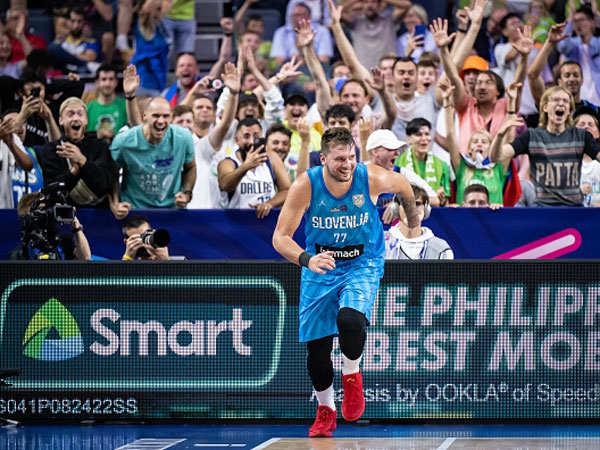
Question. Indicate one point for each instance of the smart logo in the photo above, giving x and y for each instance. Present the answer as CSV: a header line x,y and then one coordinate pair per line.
x,y
52,316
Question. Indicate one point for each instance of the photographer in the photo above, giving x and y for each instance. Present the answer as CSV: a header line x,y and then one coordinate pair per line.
x,y
251,175
137,231
40,213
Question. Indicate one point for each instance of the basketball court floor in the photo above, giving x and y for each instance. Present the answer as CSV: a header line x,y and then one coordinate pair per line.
x,y
428,436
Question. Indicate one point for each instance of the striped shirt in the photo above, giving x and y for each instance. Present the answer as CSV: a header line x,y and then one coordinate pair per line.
x,y
556,163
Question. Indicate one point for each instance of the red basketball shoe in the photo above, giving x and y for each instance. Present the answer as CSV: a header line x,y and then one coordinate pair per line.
x,y
325,422
353,403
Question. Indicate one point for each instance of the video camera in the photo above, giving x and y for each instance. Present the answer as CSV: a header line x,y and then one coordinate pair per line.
x,y
39,235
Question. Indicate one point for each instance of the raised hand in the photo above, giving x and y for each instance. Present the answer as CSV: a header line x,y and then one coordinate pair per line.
x,y
335,12
202,86
509,123
304,35
365,128
7,128
289,71
303,129
226,25
524,43
556,33
31,105
376,82
255,157
447,89
131,80
413,42
476,13
231,78
512,91
462,19
120,209
439,29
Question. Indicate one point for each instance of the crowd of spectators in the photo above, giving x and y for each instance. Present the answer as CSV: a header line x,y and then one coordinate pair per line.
x,y
499,94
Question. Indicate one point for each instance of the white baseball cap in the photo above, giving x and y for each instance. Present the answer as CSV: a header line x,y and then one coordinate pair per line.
x,y
385,139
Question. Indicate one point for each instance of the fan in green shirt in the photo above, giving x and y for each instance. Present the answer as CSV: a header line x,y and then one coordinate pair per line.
x,y
108,113
476,167
421,160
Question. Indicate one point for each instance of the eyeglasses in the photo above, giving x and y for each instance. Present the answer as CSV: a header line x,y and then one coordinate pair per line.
x,y
419,203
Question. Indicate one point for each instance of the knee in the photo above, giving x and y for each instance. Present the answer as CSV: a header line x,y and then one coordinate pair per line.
x,y
350,320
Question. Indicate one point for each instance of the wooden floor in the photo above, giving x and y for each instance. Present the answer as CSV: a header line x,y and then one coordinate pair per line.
x,y
288,436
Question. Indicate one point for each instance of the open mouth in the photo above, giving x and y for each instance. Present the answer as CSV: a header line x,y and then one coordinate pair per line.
x,y
560,113
426,85
76,127
296,115
160,128
406,85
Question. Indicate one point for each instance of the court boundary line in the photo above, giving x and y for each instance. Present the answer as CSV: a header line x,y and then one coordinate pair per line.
x,y
267,443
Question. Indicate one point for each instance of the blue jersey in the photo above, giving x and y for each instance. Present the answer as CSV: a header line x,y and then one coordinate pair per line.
x,y
349,226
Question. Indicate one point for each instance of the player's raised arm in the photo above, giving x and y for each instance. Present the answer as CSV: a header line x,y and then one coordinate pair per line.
x,y
297,201
383,181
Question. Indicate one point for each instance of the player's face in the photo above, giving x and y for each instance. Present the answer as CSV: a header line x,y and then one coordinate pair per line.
x,y
185,120
340,162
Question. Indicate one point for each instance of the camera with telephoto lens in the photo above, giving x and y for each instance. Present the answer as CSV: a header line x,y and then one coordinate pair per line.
x,y
156,239
39,235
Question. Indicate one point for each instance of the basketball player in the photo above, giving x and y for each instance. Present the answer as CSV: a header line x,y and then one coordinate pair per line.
x,y
342,264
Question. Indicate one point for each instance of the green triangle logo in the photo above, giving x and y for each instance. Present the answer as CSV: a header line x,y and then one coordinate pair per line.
x,y
52,315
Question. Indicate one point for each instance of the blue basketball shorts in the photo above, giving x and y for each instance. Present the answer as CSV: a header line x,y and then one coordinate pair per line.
x,y
322,298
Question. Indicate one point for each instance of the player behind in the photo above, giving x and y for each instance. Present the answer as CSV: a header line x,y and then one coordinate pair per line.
x,y
342,264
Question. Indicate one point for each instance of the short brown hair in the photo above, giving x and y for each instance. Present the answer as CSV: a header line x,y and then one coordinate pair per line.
x,y
180,110
336,136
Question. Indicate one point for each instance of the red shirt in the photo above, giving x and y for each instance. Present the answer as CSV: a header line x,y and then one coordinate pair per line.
x,y
35,40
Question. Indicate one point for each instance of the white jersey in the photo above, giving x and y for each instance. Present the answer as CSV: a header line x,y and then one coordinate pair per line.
x,y
206,193
257,186
7,168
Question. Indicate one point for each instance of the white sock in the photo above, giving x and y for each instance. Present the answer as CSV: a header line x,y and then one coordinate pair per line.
x,y
350,365
122,43
326,397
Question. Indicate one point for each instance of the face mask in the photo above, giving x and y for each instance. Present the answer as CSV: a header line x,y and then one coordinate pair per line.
x,y
338,83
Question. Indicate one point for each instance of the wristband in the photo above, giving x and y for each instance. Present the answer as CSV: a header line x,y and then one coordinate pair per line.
x,y
461,30
304,258
76,230
127,258
131,97
189,193
510,112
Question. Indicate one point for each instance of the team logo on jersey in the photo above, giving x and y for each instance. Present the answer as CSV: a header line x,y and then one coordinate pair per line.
x,y
358,200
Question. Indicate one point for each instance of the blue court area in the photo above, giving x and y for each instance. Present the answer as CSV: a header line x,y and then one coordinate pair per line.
x,y
293,436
